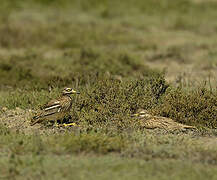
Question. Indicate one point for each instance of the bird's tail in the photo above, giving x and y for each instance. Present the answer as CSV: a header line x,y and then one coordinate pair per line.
x,y
189,127
35,119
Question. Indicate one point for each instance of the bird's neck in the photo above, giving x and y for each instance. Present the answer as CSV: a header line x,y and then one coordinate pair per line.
x,y
67,95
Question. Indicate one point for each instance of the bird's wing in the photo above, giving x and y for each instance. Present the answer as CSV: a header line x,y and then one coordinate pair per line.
x,y
164,119
51,103
53,106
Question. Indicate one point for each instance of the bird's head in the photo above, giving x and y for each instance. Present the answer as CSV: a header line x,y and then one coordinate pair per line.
x,y
69,91
141,113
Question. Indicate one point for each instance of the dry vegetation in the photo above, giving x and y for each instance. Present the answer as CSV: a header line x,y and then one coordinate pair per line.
x,y
122,56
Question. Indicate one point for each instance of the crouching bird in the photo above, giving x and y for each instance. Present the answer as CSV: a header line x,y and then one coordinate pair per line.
x,y
56,109
149,121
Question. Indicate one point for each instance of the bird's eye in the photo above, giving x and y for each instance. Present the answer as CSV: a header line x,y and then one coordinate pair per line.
x,y
68,90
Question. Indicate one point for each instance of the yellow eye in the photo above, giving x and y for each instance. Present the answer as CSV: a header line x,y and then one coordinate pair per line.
x,y
68,90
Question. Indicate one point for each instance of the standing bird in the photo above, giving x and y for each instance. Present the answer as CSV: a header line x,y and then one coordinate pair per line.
x,y
149,121
56,109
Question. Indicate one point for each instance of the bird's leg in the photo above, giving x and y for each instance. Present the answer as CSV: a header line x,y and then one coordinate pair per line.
x,y
70,124
56,123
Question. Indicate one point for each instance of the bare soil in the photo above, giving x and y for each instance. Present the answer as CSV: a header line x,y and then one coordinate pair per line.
x,y
18,120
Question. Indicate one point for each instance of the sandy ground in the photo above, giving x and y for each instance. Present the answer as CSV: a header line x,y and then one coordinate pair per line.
x,y
18,120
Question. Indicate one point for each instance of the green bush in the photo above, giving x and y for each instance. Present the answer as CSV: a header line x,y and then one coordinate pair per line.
x,y
111,100
195,107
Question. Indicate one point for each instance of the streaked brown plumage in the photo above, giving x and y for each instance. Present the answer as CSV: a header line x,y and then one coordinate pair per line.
x,y
149,121
56,109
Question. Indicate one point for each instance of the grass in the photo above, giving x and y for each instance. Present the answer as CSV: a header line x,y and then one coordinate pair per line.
x,y
121,56
101,155
110,166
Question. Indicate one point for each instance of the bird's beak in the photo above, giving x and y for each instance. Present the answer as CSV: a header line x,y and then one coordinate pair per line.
x,y
75,92
135,115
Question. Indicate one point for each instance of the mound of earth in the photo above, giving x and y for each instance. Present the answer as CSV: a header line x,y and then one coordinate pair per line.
x,y
19,120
